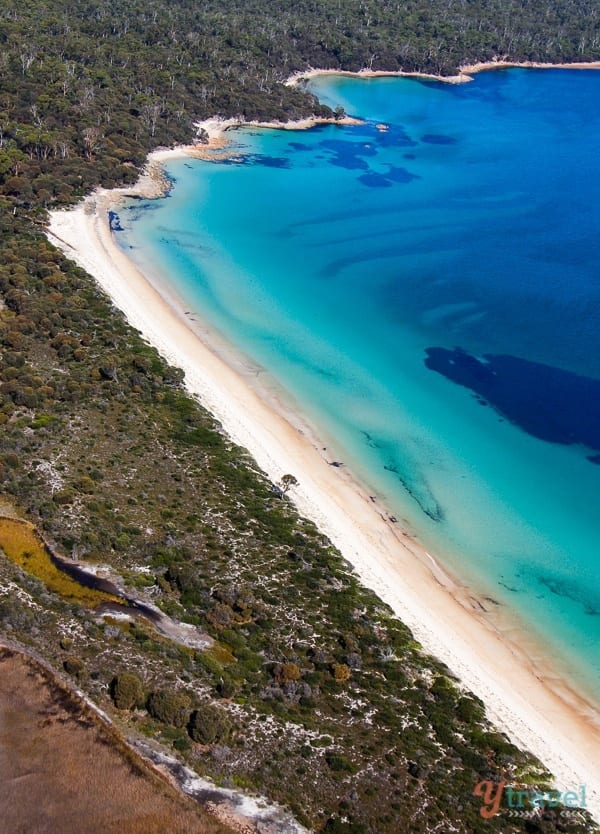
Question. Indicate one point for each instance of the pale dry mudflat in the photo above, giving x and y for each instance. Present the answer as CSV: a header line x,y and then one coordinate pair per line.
x,y
63,771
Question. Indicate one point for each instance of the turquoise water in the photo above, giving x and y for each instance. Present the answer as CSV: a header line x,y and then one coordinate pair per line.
x,y
429,295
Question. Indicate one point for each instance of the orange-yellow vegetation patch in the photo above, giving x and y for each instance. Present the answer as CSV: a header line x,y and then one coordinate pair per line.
x,y
23,545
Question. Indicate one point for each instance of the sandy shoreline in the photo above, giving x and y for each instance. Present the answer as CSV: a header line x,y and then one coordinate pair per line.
x,y
465,71
534,707
216,145
213,146
524,696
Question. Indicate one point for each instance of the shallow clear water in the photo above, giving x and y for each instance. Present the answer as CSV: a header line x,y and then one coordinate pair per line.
x,y
430,295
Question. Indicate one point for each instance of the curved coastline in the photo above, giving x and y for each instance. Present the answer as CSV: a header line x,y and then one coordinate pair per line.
x,y
215,145
523,693
465,71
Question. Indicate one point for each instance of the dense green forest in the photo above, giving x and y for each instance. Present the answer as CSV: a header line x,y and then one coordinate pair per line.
x,y
89,86
315,694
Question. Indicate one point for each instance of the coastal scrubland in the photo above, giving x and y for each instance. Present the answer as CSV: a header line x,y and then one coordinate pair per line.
x,y
324,701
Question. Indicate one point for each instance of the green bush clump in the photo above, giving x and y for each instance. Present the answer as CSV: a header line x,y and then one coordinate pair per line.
x,y
127,691
85,484
74,666
339,763
227,688
209,725
170,707
470,710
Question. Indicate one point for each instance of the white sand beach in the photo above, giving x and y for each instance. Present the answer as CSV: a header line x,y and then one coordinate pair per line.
x,y
464,75
524,696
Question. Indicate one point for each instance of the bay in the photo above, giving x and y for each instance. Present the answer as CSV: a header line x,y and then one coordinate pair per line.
x,y
426,287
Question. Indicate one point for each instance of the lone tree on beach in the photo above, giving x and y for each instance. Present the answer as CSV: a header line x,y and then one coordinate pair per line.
x,y
286,482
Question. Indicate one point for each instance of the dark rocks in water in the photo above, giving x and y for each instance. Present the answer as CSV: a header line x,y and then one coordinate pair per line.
x,y
438,139
547,402
349,155
272,161
375,180
114,222
419,491
395,174
258,159
585,596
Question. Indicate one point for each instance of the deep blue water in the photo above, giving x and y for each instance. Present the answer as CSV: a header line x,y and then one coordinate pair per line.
x,y
430,296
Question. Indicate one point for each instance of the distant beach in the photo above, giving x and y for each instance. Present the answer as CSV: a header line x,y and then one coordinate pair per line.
x,y
215,129
215,144
522,693
464,75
